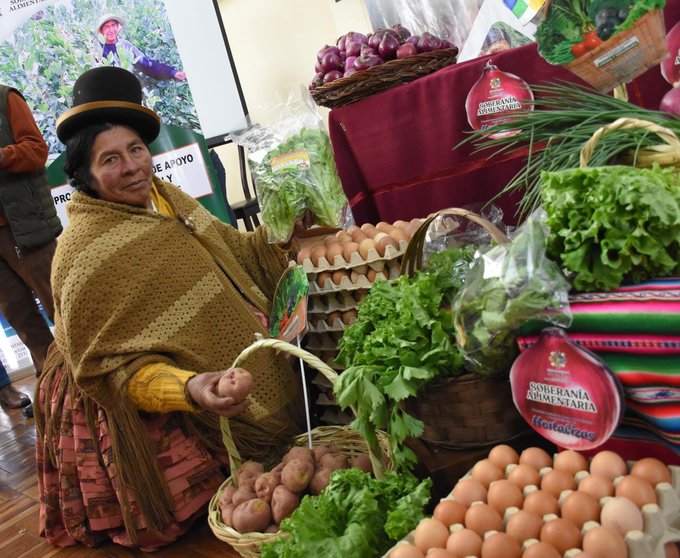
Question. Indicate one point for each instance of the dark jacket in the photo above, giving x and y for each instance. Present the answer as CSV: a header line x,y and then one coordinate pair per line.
x,y
26,198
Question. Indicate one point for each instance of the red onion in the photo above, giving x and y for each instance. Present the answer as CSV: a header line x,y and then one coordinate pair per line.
x,y
365,49
494,99
318,67
353,48
349,62
374,40
447,44
670,67
349,72
388,47
356,37
365,62
401,31
340,43
332,76
406,50
326,50
428,42
331,61
671,102
413,40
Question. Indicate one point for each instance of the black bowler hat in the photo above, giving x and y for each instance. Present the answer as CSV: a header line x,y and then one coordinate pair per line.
x,y
108,94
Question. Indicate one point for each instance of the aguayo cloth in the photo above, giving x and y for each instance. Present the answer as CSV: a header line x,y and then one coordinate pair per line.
x,y
80,493
133,287
635,329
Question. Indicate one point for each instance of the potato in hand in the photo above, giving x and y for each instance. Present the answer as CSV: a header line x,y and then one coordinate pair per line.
x,y
235,383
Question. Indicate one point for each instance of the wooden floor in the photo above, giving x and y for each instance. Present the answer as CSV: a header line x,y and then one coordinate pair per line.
x,y
19,503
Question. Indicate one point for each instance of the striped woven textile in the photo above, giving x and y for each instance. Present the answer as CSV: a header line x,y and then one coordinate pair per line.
x,y
636,330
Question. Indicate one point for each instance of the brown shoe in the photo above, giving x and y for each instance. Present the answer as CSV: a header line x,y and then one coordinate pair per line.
x,y
13,398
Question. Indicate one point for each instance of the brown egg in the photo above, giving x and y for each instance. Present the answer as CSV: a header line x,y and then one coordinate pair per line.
x,y
322,277
503,494
503,455
622,515
355,277
608,464
541,550
482,518
604,542
541,503
348,249
486,472
501,545
579,507
561,534
338,275
318,252
464,542
331,239
304,253
536,458
368,229
352,229
399,235
365,247
400,224
384,227
524,525
332,251
597,486
523,475
348,316
636,489
358,236
430,533
449,512
406,550
652,470
469,490
372,274
555,482
335,315
343,236
571,462
383,242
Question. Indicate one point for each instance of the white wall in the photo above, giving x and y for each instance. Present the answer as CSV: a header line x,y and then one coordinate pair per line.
x,y
274,45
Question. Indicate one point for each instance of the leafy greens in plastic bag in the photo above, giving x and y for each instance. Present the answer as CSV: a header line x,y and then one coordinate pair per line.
x,y
508,285
291,161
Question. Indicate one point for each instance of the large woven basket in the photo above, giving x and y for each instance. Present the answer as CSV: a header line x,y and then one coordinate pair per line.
x,y
379,78
464,411
624,56
347,442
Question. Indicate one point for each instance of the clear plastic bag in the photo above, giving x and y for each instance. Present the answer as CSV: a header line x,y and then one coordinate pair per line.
x,y
293,169
506,286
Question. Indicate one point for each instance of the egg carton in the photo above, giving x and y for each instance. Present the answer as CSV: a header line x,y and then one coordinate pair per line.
x,y
326,401
325,304
373,260
321,381
322,326
321,342
334,416
661,521
347,285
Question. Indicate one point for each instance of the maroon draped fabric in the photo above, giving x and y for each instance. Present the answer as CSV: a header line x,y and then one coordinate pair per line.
x,y
395,150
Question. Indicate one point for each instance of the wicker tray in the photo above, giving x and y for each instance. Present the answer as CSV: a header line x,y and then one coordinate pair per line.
x,y
624,56
348,442
379,78
465,411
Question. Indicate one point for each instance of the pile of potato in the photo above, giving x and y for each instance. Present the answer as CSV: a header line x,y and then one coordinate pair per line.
x,y
261,500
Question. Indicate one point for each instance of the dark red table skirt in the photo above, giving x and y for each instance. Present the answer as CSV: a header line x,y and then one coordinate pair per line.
x,y
395,150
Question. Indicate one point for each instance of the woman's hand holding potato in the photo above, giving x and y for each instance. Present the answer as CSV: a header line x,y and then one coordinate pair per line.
x,y
223,393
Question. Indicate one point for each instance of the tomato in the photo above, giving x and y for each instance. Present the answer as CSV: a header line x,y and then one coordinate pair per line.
x,y
578,49
591,40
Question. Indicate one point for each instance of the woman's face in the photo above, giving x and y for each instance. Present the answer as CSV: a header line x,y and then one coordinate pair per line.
x,y
120,167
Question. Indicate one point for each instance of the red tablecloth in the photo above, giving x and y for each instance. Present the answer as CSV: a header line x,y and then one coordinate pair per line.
x,y
394,150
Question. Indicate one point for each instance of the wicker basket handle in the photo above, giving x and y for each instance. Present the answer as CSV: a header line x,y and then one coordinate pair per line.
x,y
413,257
665,134
235,460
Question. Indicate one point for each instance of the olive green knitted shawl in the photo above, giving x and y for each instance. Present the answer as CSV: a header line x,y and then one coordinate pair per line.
x,y
132,287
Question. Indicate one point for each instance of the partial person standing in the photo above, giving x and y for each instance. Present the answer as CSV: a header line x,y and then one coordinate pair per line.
x,y
29,225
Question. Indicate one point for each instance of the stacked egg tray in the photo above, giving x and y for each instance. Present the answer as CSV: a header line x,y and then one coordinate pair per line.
x,y
534,506
341,269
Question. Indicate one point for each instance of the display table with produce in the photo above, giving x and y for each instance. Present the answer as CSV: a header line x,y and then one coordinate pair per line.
x,y
394,150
